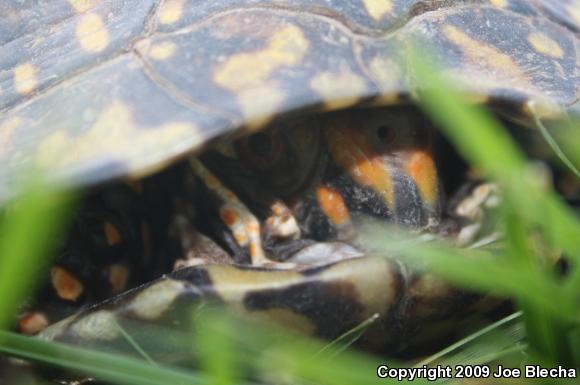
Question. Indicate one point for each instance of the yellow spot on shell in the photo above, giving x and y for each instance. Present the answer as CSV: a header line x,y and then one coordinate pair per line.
x,y
574,11
286,47
260,105
7,129
488,59
92,33
114,136
499,3
25,80
83,5
162,51
545,45
377,9
248,74
387,76
339,90
171,11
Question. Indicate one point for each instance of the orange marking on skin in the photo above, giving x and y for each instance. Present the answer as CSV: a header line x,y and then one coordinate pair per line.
x,y
241,237
253,228
118,277
230,196
112,234
32,323
229,216
278,208
421,168
332,204
349,147
66,285
211,181
255,250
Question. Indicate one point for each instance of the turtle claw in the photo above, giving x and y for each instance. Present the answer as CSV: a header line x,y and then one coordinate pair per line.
x,y
234,214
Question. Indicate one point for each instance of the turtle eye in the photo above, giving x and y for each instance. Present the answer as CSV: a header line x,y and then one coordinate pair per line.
x,y
385,134
260,145
260,150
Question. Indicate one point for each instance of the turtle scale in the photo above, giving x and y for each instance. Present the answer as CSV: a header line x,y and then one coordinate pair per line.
x,y
59,49
104,124
216,66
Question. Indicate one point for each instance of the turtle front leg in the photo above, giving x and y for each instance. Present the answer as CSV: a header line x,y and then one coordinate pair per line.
x,y
234,214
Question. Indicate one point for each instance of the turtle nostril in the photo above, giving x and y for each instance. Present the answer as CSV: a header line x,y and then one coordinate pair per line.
x,y
260,144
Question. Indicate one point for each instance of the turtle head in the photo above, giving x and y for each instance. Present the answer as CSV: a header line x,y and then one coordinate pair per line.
x,y
382,165
330,171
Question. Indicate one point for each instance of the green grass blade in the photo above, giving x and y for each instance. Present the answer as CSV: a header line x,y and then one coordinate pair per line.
x,y
344,341
470,338
216,349
545,334
552,142
280,354
135,345
106,366
475,270
486,144
29,229
527,205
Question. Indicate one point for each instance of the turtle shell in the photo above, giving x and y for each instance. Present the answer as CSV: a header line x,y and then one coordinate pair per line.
x,y
99,89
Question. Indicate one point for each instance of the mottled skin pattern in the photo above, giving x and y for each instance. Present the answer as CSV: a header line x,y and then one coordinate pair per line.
x,y
96,90
114,243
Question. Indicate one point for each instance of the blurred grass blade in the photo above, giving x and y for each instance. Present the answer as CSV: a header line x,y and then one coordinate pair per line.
x,y
545,334
106,366
343,342
527,204
486,144
29,228
103,365
470,338
476,270
216,348
570,137
552,142
135,345
283,356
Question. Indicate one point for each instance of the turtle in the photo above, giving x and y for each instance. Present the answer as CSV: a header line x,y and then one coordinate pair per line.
x,y
285,122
